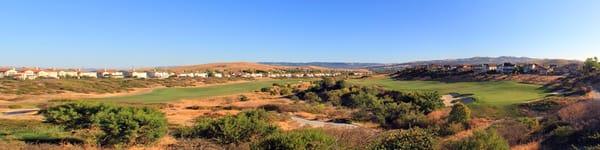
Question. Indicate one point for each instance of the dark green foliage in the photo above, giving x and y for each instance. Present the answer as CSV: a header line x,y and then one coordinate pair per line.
x,y
412,139
296,140
591,64
399,115
392,109
334,97
119,125
231,129
131,125
482,140
74,115
361,100
460,114
312,97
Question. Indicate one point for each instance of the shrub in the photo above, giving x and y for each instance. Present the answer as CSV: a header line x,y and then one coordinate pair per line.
x,y
119,124
460,114
243,98
74,115
231,129
265,89
360,99
131,125
487,139
452,128
312,97
296,140
413,139
285,91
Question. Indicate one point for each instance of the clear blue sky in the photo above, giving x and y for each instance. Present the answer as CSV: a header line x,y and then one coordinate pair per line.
x,y
125,33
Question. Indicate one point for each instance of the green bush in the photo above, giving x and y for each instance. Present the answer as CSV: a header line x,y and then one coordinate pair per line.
x,y
312,97
74,115
230,129
460,114
131,125
412,139
119,124
487,139
296,140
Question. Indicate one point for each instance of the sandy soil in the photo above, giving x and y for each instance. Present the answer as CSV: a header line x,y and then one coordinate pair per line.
x,y
185,111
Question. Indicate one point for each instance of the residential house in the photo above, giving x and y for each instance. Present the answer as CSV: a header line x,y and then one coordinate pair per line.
x,y
10,72
68,73
159,75
507,68
111,74
218,75
189,75
25,74
481,68
531,68
117,74
88,74
140,75
46,74
201,75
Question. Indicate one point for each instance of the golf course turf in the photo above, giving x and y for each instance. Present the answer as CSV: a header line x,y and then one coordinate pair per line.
x,y
173,94
495,93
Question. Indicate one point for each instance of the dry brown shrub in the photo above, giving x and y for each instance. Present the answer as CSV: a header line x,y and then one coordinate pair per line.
x,y
354,138
513,131
438,117
529,146
585,114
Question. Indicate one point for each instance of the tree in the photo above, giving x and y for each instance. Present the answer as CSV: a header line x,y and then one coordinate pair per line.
x,y
487,140
413,139
460,114
591,64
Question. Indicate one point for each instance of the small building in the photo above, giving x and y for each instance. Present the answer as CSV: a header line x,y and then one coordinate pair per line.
x,y
10,72
507,68
530,68
88,74
218,75
68,74
159,74
47,74
201,75
139,75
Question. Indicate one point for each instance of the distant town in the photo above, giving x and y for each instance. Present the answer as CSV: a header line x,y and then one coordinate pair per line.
x,y
503,68
37,73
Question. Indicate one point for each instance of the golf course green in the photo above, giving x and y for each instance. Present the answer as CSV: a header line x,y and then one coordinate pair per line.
x,y
173,94
496,93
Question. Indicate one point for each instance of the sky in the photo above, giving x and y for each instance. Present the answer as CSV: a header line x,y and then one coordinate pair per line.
x,y
136,33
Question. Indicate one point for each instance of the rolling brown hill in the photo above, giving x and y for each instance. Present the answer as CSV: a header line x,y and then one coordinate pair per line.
x,y
237,66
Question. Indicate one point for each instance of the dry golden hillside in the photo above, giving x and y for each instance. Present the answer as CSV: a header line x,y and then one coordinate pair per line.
x,y
237,66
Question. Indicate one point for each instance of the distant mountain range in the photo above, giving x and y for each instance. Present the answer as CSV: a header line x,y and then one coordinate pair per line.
x,y
335,65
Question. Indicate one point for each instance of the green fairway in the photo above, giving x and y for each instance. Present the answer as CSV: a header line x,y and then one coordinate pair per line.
x,y
172,94
495,93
